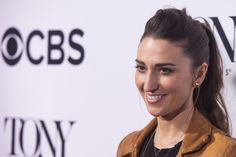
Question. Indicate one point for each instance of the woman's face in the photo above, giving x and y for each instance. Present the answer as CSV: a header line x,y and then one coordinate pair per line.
x,y
164,77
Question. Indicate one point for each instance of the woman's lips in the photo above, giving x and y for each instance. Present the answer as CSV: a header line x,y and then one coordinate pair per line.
x,y
154,98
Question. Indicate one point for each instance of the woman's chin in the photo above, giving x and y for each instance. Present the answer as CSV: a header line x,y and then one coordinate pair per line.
x,y
154,112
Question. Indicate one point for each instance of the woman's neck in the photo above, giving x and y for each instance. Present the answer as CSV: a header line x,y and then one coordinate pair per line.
x,y
171,129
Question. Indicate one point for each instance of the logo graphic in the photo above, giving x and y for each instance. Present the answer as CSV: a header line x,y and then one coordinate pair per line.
x,y
12,46
230,51
32,137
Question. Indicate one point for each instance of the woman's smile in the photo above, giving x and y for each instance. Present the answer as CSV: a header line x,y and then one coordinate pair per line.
x,y
154,99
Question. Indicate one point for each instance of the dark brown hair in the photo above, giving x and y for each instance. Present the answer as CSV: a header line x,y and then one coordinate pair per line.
x,y
200,46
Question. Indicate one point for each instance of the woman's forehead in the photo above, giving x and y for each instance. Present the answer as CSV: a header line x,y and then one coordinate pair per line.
x,y
150,48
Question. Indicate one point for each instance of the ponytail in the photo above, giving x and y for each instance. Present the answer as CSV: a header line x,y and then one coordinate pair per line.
x,y
210,101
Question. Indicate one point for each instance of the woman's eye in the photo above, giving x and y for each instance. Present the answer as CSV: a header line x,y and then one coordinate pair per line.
x,y
165,71
140,68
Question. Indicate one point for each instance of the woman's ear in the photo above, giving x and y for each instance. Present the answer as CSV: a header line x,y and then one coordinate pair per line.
x,y
200,74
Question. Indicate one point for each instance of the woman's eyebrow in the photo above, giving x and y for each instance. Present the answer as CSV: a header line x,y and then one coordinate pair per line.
x,y
140,62
156,65
164,64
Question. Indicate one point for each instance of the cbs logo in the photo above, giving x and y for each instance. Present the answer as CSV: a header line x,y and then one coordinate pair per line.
x,y
13,46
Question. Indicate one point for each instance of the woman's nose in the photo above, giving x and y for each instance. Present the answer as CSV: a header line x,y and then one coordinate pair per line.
x,y
151,83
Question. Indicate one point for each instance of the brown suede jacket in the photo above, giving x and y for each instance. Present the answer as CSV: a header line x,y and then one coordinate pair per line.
x,y
202,139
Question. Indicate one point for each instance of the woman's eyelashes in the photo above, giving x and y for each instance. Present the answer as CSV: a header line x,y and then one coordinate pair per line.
x,y
161,70
165,71
140,68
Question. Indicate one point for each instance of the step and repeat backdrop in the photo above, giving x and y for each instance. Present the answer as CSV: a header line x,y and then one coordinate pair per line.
x,y
67,72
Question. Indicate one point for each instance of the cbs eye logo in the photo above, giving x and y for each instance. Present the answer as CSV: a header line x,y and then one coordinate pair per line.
x,y
12,46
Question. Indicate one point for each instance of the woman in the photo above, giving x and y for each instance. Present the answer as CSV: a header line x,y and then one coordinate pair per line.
x,y
177,56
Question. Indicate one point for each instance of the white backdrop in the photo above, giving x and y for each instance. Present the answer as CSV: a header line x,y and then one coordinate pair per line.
x,y
86,109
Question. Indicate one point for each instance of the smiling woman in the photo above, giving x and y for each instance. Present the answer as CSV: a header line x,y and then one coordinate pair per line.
x,y
176,57
165,77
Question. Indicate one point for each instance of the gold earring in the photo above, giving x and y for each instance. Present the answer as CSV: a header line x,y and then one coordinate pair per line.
x,y
196,85
197,89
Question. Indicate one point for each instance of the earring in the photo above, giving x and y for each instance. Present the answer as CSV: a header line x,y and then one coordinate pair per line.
x,y
196,85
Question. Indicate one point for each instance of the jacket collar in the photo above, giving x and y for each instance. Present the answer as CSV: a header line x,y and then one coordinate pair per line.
x,y
197,135
142,136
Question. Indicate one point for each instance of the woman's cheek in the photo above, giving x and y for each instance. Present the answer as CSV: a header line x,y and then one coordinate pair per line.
x,y
170,83
138,80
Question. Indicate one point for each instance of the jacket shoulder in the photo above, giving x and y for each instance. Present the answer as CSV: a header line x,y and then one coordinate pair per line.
x,y
230,150
127,144
131,143
224,143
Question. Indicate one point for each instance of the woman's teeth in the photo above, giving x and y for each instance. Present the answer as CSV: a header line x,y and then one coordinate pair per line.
x,y
154,98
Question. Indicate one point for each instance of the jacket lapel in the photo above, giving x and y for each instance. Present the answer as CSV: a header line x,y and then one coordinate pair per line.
x,y
197,135
134,151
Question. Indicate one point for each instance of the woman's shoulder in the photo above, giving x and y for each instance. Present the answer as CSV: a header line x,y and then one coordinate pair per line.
x,y
134,139
127,144
220,136
130,138
223,142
